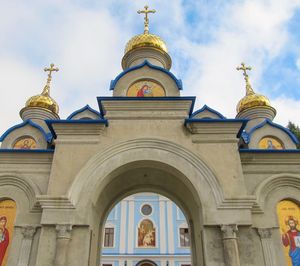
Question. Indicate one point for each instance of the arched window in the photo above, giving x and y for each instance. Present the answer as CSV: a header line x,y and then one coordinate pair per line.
x,y
146,234
7,220
289,216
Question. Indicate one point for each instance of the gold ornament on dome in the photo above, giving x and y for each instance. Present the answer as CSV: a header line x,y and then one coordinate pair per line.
x,y
146,39
270,143
146,88
44,100
25,143
251,99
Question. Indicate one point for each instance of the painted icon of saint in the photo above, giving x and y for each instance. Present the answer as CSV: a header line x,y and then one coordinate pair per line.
x,y
4,238
291,238
144,91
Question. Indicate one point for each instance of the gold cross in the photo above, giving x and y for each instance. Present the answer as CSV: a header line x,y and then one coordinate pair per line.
x,y
50,70
146,11
244,68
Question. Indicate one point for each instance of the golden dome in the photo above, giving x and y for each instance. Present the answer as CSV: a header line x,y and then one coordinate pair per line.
x,y
253,100
146,40
43,101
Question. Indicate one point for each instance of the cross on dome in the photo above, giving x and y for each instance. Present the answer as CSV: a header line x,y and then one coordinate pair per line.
x,y
244,68
50,70
146,11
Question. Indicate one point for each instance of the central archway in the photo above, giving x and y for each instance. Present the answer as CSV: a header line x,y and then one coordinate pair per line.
x,y
144,166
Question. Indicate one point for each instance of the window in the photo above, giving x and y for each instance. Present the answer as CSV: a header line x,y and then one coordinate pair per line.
x,y
109,237
146,209
184,237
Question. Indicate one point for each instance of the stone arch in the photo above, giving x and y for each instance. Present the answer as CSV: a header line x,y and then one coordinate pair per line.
x,y
145,165
273,190
146,262
20,189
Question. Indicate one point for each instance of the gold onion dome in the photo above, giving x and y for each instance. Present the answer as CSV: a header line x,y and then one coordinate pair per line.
x,y
251,99
146,40
44,100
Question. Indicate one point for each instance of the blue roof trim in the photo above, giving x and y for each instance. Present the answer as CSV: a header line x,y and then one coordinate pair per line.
x,y
214,120
87,107
48,136
125,98
268,151
205,107
79,121
146,63
269,122
27,151
245,137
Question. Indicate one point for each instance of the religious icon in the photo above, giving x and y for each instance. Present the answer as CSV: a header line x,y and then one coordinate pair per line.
x,y
146,88
26,143
7,219
146,234
288,214
270,143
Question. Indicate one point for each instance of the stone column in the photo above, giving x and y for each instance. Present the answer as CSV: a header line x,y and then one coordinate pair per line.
x,y
231,253
62,243
28,233
265,235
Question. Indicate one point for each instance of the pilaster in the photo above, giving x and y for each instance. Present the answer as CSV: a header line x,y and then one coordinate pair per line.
x,y
265,235
231,253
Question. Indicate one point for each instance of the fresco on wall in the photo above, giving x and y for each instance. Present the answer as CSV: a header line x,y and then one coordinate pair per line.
x,y
146,88
270,143
289,216
146,234
7,220
26,143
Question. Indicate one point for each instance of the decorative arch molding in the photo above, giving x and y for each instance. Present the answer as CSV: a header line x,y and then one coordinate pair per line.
x,y
273,183
30,189
141,263
159,151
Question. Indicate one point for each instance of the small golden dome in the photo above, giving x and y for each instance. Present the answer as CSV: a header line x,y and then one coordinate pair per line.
x,y
146,40
253,100
43,101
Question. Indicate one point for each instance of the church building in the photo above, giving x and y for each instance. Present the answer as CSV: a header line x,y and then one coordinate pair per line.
x,y
195,187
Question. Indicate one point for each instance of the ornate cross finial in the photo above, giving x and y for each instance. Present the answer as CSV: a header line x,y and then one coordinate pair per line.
x,y
146,11
50,70
244,68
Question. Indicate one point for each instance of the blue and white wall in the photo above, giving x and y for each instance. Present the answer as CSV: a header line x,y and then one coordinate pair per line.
x,y
126,217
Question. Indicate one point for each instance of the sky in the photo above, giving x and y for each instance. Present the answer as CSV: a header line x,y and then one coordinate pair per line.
x,y
206,39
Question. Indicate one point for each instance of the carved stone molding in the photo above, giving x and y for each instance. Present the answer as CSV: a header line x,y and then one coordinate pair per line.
x,y
264,233
28,231
64,231
229,231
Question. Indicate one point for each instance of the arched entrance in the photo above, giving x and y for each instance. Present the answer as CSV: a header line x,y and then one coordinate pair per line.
x,y
146,263
144,165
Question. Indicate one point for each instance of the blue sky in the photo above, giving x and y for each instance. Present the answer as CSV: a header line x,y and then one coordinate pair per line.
x,y
206,39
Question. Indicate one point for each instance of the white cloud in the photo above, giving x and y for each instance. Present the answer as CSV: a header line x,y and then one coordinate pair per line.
x,y
87,42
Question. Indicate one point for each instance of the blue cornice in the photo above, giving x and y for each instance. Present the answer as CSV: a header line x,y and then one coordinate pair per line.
x,y
27,150
87,107
215,120
47,136
268,151
79,121
146,63
272,124
171,98
204,108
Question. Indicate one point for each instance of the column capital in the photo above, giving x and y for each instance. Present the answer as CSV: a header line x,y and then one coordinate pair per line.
x,y
264,233
28,231
64,230
229,231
